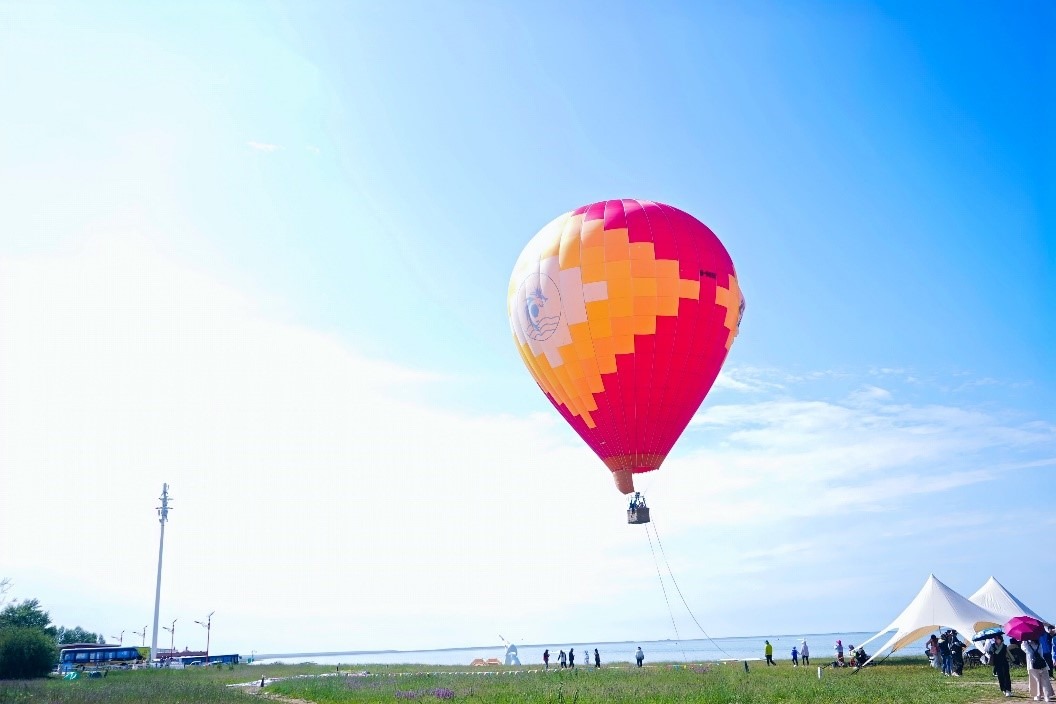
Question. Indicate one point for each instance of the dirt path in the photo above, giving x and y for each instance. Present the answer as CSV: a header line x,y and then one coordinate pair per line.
x,y
258,691
991,693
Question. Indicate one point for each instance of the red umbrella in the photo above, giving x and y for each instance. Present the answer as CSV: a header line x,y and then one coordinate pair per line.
x,y
1024,628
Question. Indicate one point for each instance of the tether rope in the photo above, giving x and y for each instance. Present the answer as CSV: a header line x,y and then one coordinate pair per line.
x,y
677,589
664,589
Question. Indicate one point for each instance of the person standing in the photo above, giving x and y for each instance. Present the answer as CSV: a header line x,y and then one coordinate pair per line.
x,y
639,656
804,653
956,654
795,657
1037,671
572,658
933,652
839,653
561,658
945,655
998,652
1047,642
1016,656
768,651
597,659
546,659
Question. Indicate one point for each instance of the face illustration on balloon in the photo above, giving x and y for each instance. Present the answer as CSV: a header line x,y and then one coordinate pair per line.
x,y
542,302
624,311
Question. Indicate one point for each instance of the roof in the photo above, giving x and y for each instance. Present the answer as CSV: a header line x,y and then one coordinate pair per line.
x,y
994,597
935,606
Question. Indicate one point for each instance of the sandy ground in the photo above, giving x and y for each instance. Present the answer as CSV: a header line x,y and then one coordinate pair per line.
x,y
1019,690
256,690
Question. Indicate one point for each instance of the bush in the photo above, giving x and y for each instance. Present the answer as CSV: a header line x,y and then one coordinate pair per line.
x,y
26,653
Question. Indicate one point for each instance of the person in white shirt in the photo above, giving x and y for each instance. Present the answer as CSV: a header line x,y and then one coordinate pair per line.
x,y
1037,671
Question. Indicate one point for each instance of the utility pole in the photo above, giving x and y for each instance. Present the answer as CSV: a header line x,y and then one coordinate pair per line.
x,y
120,638
172,641
163,517
208,626
142,634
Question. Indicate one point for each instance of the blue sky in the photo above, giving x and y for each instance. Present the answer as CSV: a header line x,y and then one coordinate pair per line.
x,y
260,251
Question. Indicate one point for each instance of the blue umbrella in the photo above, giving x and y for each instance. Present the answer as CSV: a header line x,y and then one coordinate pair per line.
x,y
987,633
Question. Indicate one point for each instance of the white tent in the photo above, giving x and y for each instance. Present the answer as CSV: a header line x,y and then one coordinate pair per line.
x,y
993,596
935,606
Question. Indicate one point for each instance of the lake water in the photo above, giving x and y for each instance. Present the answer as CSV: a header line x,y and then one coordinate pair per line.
x,y
746,648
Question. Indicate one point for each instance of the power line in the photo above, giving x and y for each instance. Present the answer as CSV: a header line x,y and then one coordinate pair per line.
x,y
674,582
664,589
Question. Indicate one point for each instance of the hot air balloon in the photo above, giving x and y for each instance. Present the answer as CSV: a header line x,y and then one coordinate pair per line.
x,y
624,312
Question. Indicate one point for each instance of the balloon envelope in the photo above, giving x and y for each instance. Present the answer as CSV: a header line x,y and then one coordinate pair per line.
x,y
624,311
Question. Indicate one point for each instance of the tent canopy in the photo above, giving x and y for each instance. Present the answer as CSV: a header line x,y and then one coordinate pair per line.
x,y
935,606
993,596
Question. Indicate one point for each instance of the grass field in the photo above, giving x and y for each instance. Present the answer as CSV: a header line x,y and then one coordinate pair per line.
x,y
898,681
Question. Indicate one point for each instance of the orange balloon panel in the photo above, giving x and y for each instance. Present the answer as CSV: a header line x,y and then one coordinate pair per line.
x,y
624,312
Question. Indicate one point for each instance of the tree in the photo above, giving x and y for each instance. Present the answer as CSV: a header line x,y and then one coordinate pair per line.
x,y
26,652
78,635
5,587
27,614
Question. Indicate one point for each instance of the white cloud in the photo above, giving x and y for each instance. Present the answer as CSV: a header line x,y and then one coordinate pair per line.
x,y
300,470
263,146
869,394
319,504
776,460
743,380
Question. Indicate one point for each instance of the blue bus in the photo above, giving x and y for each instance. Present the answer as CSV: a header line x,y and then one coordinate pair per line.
x,y
84,657
232,659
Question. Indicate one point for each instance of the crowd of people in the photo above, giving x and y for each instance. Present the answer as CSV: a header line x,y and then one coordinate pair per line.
x,y
568,660
1034,654
858,656
801,655
946,652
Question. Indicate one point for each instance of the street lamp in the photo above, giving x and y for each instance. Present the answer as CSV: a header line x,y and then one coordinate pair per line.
x,y
208,626
143,635
172,643
120,638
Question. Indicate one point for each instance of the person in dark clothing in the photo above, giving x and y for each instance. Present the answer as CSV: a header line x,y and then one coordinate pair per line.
x,y
860,657
639,656
956,654
999,659
546,659
1016,656
1047,641
945,655
572,658
597,658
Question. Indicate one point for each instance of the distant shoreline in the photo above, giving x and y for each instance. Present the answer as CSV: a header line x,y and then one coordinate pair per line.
x,y
502,646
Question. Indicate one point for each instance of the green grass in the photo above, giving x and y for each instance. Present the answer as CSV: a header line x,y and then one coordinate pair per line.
x,y
143,686
895,681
